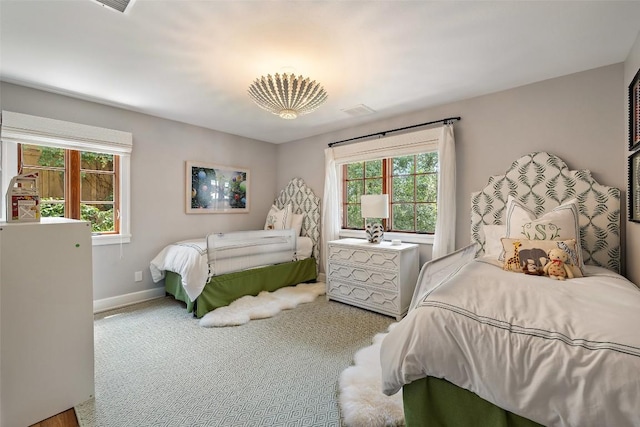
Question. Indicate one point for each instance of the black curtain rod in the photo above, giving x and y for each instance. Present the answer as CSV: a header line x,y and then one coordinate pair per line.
x,y
383,133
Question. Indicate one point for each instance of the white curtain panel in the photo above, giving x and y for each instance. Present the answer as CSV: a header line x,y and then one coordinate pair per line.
x,y
445,238
439,138
331,203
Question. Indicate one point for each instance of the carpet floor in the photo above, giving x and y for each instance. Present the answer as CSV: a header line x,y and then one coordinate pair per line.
x,y
155,366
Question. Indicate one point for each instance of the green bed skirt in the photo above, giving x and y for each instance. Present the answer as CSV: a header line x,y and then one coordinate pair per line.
x,y
222,290
436,402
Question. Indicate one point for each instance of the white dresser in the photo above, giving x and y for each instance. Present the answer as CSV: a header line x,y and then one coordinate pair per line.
x,y
46,319
380,277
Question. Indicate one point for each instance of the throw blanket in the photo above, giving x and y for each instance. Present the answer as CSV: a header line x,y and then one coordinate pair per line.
x,y
558,353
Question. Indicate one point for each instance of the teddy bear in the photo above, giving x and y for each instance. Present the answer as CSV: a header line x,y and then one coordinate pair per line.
x,y
557,267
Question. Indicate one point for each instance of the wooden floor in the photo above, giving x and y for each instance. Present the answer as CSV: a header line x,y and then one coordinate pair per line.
x,y
64,419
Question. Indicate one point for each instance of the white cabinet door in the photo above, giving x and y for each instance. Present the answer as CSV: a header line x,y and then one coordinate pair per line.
x,y
46,319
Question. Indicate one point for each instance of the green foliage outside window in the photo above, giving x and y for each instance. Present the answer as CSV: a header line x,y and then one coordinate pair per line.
x,y
101,220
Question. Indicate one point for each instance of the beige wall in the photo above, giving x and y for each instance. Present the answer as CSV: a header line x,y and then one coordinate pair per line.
x,y
578,117
160,149
632,65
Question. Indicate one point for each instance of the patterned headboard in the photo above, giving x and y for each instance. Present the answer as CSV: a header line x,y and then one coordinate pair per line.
x,y
303,201
542,181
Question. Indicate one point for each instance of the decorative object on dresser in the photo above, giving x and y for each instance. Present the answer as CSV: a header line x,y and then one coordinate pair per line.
x,y
633,191
374,206
378,277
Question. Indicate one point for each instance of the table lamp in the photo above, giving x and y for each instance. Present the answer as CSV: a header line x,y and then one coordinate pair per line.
x,y
374,206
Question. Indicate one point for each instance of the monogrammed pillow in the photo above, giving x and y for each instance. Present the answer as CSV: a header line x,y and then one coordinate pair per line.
x,y
561,223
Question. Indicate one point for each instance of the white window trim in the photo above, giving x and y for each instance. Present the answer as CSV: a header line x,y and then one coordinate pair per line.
x,y
20,128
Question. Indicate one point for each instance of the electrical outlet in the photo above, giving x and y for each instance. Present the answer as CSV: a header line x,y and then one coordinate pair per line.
x,y
138,276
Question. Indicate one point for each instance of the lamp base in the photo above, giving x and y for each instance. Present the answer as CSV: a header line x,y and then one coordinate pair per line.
x,y
374,233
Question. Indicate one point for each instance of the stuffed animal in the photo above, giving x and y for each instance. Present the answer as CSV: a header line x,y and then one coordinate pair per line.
x,y
557,267
530,267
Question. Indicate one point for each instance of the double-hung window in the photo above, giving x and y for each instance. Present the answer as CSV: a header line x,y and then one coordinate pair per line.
x,y
83,171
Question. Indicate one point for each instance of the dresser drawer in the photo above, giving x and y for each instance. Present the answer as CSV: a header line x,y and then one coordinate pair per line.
x,y
364,275
386,302
371,257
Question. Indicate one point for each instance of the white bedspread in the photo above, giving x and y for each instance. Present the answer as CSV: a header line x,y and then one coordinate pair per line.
x,y
189,259
558,353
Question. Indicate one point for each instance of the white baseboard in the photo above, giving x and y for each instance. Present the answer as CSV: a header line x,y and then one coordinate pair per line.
x,y
141,296
128,299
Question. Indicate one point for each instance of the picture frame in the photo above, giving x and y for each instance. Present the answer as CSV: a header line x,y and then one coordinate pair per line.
x,y
634,113
633,190
214,188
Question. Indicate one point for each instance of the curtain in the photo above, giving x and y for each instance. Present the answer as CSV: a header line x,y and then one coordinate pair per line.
x,y
330,204
445,237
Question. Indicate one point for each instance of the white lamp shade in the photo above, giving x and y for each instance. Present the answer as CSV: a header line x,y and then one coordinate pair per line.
x,y
375,206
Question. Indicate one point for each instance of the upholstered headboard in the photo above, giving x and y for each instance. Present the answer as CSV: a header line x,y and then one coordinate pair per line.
x,y
303,201
542,181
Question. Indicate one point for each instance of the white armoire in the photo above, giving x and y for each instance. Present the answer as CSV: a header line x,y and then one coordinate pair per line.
x,y
46,319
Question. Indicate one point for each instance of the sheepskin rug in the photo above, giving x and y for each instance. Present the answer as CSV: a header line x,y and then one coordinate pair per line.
x,y
362,402
265,304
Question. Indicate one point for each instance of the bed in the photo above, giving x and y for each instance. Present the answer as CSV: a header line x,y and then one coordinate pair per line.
x,y
219,268
486,344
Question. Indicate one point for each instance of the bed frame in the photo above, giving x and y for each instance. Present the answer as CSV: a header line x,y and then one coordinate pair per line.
x,y
224,289
541,181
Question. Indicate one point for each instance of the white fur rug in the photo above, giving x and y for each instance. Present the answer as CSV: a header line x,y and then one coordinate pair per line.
x,y
362,402
265,304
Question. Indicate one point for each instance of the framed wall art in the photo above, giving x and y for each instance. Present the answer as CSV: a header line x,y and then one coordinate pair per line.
x,y
634,187
634,112
212,188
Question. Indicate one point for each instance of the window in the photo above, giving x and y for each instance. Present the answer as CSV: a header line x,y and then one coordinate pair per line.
x,y
84,171
75,184
411,182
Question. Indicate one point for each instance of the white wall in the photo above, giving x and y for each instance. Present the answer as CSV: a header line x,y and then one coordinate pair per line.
x,y
578,117
632,64
160,149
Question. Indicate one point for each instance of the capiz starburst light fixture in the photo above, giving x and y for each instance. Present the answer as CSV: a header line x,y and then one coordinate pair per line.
x,y
287,95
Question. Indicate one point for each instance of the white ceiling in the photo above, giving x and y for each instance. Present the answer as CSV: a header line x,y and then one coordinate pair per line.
x,y
192,61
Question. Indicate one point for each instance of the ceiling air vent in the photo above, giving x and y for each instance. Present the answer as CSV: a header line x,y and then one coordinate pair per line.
x,y
119,5
358,110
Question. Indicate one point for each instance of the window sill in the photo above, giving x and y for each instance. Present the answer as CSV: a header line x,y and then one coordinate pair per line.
x,y
110,239
422,239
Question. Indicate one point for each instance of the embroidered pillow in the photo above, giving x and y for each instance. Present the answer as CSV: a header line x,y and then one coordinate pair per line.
x,y
492,236
530,256
278,219
561,223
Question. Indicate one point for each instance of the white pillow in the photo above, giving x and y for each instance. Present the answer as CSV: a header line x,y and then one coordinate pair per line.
x,y
278,219
561,223
296,223
492,236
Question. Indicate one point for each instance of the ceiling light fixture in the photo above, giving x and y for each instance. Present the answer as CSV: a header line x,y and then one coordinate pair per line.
x,y
287,95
